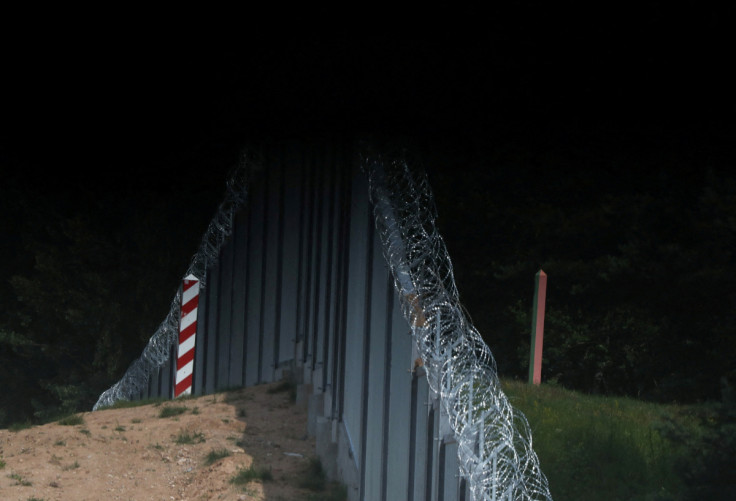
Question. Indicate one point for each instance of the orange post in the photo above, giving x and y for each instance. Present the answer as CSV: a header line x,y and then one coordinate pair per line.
x,y
540,296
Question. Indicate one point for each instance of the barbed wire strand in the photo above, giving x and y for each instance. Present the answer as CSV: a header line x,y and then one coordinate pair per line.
x,y
157,351
495,451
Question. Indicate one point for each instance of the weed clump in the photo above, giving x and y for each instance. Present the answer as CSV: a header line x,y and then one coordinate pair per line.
x,y
215,455
314,478
20,480
185,437
171,411
246,475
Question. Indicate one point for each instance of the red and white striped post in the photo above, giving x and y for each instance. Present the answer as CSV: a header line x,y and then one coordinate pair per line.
x,y
540,297
187,335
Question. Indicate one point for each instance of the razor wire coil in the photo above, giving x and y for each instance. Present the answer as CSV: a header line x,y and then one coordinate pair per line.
x,y
495,451
157,352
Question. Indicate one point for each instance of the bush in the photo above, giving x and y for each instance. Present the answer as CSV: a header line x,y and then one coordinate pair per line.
x,y
251,473
314,477
708,462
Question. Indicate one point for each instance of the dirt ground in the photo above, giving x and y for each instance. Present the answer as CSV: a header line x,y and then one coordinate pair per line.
x,y
136,454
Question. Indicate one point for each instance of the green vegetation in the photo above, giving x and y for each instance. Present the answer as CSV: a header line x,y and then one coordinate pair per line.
x,y
184,437
72,466
18,426
2,464
636,232
246,475
19,480
707,433
587,444
334,492
639,260
85,431
172,410
314,478
66,335
215,455
73,420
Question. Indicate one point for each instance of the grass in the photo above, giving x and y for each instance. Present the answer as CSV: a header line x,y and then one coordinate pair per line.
x,y
215,455
72,420
20,480
314,479
172,410
602,448
72,466
23,425
185,437
246,475
2,464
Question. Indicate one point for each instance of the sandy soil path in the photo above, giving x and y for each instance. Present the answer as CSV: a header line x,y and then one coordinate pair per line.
x,y
136,454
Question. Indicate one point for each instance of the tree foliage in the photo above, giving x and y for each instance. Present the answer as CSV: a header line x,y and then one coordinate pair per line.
x,y
639,251
88,295
637,238
709,453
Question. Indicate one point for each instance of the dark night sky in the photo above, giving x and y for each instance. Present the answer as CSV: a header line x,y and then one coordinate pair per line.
x,y
86,117
107,115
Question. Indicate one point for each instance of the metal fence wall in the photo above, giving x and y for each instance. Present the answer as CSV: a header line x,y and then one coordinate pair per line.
x,y
302,288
